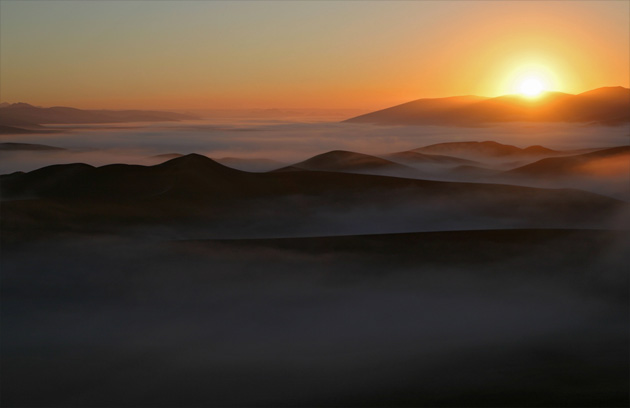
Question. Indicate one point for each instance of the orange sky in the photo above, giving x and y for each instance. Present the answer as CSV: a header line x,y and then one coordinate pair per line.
x,y
302,54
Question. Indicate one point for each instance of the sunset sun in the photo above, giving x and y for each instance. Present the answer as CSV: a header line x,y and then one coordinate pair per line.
x,y
531,87
530,79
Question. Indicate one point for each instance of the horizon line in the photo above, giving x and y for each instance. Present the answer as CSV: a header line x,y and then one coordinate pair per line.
x,y
310,108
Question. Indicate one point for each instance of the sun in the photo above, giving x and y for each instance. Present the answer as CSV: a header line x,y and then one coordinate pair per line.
x,y
531,79
531,87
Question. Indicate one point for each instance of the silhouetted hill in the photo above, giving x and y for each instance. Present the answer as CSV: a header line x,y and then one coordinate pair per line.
x,y
345,161
195,190
610,106
23,114
245,164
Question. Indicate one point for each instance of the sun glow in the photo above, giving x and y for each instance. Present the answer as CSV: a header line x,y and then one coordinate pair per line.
x,y
531,80
531,87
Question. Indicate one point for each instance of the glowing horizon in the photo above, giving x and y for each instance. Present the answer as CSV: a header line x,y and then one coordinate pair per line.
x,y
303,55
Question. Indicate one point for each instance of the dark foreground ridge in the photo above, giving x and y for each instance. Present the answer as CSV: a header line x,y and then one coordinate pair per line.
x,y
194,191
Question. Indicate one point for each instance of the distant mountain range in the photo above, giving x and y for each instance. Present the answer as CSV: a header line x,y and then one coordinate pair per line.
x,y
25,118
605,106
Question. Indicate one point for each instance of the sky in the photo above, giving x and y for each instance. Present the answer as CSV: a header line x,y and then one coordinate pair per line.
x,y
302,54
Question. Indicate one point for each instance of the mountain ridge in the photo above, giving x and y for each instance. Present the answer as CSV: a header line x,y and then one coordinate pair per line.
x,y
25,115
606,106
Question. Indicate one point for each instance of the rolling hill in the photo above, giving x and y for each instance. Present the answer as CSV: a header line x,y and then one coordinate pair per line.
x,y
194,191
245,164
351,162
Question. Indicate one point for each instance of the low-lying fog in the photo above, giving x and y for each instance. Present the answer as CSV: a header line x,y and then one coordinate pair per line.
x,y
125,323
538,319
280,140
